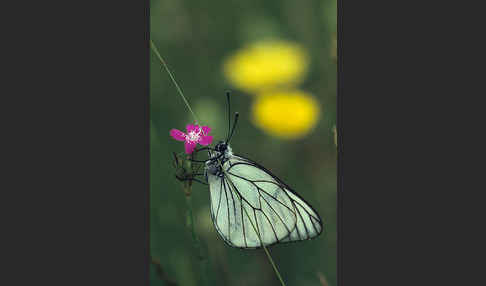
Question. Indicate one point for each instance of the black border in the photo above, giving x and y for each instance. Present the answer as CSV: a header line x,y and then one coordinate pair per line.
x,y
339,130
81,196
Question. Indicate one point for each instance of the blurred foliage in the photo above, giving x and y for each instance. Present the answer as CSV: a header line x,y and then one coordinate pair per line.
x,y
196,38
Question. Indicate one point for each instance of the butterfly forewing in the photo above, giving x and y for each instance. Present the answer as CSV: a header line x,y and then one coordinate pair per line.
x,y
248,199
229,216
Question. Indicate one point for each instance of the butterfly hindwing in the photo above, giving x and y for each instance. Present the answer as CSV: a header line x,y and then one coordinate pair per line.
x,y
248,199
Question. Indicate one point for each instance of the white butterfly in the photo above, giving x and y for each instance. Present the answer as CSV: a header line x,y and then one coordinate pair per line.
x,y
250,206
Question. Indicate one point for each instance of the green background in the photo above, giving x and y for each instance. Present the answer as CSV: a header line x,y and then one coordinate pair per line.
x,y
194,37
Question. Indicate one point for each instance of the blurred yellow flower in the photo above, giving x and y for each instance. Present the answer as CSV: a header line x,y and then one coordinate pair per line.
x,y
286,114
266,64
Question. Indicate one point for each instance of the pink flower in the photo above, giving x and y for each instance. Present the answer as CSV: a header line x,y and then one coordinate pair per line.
x,y
195,135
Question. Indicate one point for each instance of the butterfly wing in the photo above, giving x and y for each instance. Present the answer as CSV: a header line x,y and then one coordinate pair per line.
x,y
248,201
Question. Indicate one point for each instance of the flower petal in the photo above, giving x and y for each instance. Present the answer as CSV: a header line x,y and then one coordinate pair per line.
x,y
190,146
192,128
206,130
177,135
205,140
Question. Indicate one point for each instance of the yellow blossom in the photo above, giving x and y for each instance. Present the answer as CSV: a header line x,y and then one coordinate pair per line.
x,y
286,114
266,64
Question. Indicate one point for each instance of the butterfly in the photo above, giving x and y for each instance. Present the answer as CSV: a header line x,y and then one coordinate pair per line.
x,y
250,206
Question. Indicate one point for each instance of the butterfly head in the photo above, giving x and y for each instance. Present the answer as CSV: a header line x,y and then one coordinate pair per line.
x,y
223,148
222,152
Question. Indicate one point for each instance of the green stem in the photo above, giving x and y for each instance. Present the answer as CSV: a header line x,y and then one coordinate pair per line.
x,y
154,48
266,250
190,225
197,243
258,234
190,222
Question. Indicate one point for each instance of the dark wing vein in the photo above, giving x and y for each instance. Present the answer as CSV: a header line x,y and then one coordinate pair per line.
x,y
268,204
243,223
262,190
271,225
219,203
309,214
274,198
302,219
227,207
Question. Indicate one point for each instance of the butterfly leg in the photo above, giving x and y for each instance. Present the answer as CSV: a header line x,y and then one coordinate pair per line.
x,y
192,179
201,182
197,161
204,148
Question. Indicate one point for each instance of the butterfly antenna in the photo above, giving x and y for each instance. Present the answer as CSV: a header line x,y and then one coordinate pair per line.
x,y
234,126
229,114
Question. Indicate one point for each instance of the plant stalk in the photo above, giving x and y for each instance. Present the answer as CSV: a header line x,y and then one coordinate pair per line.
x,y
187,185
154,48
258,234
